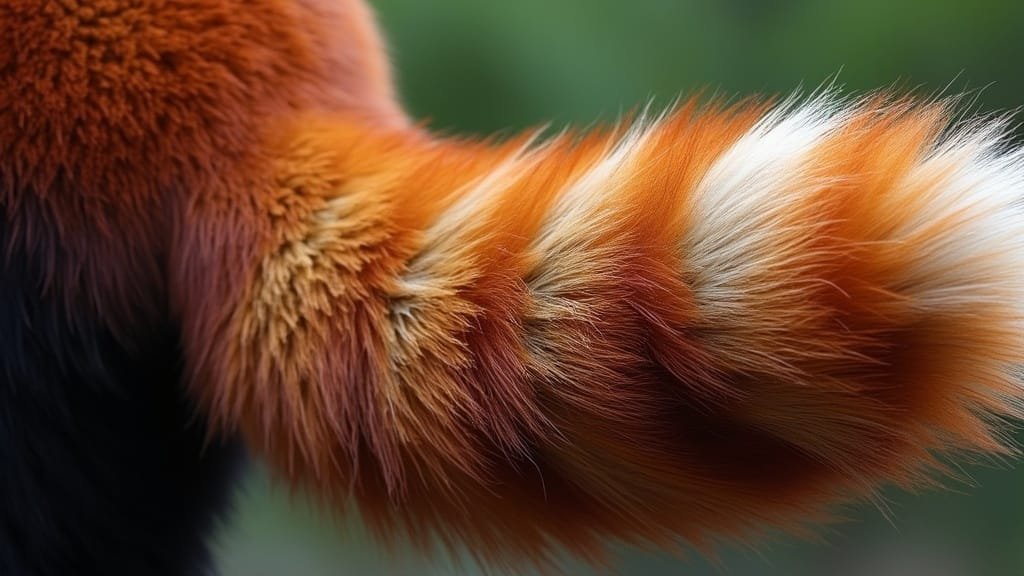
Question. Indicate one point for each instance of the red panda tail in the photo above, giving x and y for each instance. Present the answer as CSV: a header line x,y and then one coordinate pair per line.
x,y
694,328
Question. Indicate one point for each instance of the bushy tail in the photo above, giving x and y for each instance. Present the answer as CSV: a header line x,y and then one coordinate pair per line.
x,y
694,328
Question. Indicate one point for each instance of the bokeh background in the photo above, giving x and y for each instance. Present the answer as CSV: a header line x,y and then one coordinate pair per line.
x,y
480,66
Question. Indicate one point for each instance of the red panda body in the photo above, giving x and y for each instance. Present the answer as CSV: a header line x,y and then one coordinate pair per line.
x,y
113,115
219,226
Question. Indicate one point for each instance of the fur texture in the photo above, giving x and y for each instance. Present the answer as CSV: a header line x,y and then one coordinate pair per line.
x,y
111,113
690,328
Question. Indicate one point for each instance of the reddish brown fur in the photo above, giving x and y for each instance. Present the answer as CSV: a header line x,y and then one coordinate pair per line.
x,y
117,108
470,340
510,413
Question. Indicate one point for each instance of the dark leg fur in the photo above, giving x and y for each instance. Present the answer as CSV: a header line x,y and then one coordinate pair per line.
x,y
103,468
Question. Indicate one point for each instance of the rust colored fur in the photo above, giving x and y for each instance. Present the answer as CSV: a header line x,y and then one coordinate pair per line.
x,y
434,331
682,330
111,111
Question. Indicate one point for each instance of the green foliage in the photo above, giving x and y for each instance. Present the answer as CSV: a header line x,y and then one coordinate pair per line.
x,y
478,66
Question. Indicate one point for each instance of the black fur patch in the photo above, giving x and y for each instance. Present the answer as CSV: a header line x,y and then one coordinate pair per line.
x,y
103,468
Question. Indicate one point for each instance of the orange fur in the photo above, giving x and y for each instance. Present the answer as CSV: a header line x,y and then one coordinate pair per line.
x,y
111,109
515,346
695,328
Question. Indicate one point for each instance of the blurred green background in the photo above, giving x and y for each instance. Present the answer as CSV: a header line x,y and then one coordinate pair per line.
x,y
479,66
